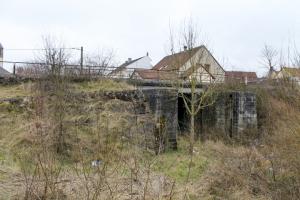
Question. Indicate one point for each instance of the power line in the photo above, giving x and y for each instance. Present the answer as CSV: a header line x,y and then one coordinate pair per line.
x,y
27,49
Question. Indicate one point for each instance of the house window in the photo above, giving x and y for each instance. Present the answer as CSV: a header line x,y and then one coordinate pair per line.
x,y
207,67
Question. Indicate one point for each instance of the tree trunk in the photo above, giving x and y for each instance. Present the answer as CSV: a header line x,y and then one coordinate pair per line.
x,y
192,133
192,122
192,125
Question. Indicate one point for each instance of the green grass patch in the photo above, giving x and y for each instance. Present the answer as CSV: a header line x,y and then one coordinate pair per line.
x,y
176,164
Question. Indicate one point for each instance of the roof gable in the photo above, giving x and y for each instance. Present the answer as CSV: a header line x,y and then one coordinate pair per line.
x,y
3,72
176,61
124,65
291,71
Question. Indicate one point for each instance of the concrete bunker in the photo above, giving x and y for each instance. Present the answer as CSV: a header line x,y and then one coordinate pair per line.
x,y
231,113
182,116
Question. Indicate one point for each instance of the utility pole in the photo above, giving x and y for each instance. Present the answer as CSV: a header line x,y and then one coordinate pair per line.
x,y
81,60
14,69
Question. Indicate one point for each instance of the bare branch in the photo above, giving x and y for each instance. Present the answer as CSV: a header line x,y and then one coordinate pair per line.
x,y
269,57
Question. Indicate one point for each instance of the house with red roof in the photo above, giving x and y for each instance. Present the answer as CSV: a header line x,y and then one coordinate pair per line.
x,y
196,62
240,77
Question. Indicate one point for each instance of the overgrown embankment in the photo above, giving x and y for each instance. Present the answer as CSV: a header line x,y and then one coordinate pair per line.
x,y
114,134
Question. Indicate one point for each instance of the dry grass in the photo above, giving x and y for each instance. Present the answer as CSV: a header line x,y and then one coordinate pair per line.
x,y
19,90
102,85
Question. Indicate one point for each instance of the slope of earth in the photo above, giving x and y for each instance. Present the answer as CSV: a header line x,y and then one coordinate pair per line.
x,y
107,150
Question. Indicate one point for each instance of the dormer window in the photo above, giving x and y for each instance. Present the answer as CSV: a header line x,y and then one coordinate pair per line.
x,y
164,67
207,67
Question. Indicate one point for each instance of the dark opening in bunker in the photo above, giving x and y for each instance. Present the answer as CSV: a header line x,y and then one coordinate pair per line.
x,y
183,116
203,118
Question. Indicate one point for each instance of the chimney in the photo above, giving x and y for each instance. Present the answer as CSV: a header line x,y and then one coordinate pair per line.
x,y
185,48
147,54
129,59
1,55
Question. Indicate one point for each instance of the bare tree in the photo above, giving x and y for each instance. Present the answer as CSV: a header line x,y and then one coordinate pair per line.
x,y
193,74
52,63
269,58
296,57
55,57
101,63
194,81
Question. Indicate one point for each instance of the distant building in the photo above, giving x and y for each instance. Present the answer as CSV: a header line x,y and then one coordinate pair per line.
x,y
196,62
272,74
3,72
1,55
240,77
150,74
127,68
290,73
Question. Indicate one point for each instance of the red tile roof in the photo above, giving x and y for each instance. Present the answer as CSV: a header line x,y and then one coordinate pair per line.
x,y
240,76
154,74
175,61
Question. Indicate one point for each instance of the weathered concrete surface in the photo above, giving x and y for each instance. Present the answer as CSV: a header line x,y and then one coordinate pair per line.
x,y
232,113
163,103
236,112
247,114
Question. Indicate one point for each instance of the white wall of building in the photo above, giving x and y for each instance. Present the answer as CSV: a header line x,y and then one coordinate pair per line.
x,y
1,55
204,57
143,63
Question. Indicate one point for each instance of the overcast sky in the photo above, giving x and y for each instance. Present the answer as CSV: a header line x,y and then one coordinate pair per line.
x,y
235,30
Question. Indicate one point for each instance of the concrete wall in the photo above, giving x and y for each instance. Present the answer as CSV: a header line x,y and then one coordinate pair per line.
x,y
246,113
236,112
163,103
232,113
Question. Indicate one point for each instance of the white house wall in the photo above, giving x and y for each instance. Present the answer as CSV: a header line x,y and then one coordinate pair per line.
x,y
143,63
202,76
203,57
1,57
